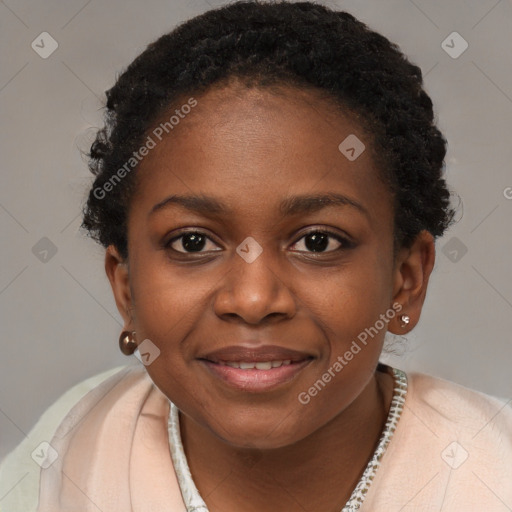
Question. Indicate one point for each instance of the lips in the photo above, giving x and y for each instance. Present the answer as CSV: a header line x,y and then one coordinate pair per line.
x,y
266,353
255,369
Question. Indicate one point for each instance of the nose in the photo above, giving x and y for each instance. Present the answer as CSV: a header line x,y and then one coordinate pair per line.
x,y
255,292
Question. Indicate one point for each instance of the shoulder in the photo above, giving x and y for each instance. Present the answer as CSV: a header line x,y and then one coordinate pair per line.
x,y
458,409
451,450
19,470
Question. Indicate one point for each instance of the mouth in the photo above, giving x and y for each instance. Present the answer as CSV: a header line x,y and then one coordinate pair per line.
x,y
255,370
258,365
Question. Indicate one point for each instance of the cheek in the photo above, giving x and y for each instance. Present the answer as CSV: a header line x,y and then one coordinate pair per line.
x,y
352,305
168,309
168,306
351,300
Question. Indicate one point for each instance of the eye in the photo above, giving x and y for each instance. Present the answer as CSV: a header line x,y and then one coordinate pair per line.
x,y
322,241
190,242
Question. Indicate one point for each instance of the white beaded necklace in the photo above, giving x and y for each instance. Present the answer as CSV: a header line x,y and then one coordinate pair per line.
x,y
195,503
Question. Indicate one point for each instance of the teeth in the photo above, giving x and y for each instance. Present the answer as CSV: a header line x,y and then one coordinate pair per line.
x,y
260,365
267,365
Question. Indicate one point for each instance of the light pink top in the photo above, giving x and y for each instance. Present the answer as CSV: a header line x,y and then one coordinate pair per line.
x,y
451,451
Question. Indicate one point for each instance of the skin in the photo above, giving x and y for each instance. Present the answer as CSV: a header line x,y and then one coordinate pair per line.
x,y
252,148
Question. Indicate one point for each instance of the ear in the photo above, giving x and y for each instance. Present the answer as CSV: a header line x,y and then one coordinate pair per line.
x,y
413,267
118,275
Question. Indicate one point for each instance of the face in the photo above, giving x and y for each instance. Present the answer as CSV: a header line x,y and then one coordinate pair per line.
x,y
246,256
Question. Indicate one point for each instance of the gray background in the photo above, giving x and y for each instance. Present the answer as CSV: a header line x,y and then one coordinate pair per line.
x,y
59,321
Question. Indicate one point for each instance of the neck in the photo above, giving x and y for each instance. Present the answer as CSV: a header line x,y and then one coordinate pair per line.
x,y
317,473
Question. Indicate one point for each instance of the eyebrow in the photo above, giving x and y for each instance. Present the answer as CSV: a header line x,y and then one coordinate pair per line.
x,y
295,205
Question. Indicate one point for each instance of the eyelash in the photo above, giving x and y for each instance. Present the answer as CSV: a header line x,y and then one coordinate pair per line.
x,y
346,243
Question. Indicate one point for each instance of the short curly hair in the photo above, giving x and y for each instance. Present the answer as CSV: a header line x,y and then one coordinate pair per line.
x,y
301,44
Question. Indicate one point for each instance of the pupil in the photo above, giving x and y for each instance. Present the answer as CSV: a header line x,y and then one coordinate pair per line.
x,y
193,242
317,242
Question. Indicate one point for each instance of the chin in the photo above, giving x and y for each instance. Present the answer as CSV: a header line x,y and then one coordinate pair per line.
x,y
268,435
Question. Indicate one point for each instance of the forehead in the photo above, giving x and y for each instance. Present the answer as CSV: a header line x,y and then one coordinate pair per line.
x,y
253,147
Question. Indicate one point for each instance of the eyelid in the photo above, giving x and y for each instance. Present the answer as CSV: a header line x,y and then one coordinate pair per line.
x,y
180,233
329,231
345,240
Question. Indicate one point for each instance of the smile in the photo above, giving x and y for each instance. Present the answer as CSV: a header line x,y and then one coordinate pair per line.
x,y
255,376
259,365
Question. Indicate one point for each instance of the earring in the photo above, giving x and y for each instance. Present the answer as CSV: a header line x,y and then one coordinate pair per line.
x,y
127,343
404,320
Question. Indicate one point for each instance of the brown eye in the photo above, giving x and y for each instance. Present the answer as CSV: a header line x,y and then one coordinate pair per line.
x,y
190,242
317,242
321,241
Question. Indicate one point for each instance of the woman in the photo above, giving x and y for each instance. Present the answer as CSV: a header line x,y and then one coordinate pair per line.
x,y
269,186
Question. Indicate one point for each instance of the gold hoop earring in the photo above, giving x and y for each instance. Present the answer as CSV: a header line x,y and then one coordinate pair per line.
x,y
127,342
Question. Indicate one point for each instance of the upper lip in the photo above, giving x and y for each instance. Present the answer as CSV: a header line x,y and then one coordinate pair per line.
x,y
249,354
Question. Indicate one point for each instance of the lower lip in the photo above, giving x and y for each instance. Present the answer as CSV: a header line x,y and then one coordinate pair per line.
x,y
254,380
